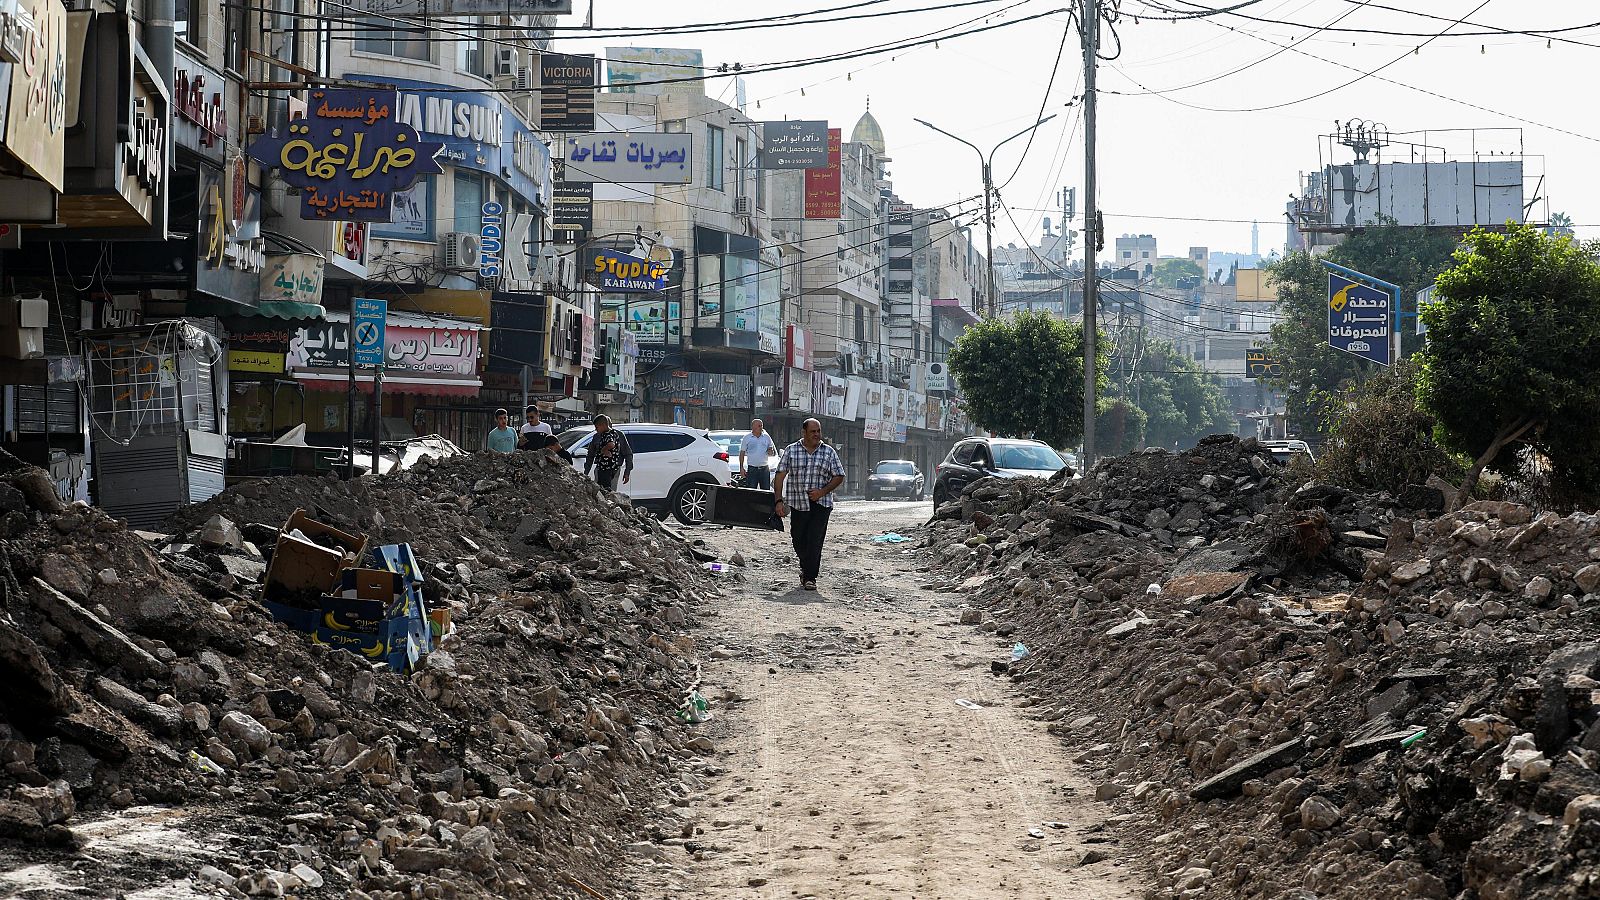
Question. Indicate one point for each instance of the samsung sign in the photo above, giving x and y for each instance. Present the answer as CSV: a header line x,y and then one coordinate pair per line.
x,y
479,131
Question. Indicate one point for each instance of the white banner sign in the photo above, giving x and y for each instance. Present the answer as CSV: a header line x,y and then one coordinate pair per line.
x,y
625,156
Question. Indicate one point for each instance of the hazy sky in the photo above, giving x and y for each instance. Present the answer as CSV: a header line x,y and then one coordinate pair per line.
x,y
1158,157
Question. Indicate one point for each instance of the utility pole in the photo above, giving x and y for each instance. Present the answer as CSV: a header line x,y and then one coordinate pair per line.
x,y
988,231
1063,248
1091,230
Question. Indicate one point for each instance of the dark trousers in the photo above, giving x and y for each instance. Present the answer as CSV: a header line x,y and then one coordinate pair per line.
x,y
607,478
808,528
758,477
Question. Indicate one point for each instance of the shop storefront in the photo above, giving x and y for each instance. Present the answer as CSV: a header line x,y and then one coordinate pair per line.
x,y
426,358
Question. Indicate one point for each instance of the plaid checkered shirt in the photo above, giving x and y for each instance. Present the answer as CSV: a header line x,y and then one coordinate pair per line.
x,y
807,472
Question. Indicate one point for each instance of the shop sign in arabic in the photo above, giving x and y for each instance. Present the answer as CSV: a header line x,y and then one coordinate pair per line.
x,y
622,156
446,353
348,155
822,197
1359,319
701,389
794,145
293,277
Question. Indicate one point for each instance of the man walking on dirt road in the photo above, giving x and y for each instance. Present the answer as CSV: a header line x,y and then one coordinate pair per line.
x,y
809,471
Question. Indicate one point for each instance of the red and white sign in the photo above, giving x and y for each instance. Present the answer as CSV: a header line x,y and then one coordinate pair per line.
x,y
355,242
823,186
796,347
201,103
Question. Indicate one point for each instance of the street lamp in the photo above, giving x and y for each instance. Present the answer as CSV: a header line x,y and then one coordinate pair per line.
x,y
988,192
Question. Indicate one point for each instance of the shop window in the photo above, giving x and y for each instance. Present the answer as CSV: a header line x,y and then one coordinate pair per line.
x,y
469,203
381,37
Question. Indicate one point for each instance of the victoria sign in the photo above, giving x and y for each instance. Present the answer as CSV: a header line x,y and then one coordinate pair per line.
x,y
349,155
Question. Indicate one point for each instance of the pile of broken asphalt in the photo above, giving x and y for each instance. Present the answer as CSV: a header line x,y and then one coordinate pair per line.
x,y
142,670
1289,690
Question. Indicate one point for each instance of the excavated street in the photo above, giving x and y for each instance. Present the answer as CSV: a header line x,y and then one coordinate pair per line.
x,y
864,749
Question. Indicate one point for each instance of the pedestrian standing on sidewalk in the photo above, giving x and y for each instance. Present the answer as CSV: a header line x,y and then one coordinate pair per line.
x,y
757,446
809,471
609,454
533,430
502,438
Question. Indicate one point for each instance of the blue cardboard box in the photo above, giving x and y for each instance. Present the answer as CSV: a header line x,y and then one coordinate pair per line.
x,y
387,647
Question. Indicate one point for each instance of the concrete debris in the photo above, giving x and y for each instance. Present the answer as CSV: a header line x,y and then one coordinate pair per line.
x,y
1372,705
143,669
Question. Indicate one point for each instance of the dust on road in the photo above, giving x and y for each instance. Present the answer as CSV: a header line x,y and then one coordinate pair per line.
x,y
844,767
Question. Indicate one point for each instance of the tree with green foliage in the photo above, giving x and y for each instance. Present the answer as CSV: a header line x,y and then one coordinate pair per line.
x,y
1381,439
1171,401
1022,376
1513,335
1170,273
1315,374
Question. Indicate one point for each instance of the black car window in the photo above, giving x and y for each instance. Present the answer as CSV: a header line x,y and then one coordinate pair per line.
x,y
980,456
962,455
658,441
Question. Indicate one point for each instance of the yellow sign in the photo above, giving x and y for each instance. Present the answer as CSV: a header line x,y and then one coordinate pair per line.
x,y
36,125
255,361
1251,286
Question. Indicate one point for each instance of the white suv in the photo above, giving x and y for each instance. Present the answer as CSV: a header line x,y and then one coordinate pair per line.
x,y
672,464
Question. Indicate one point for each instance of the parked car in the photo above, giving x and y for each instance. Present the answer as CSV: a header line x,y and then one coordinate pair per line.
x,y
895,478
672,465
976,458
1284,451
731,441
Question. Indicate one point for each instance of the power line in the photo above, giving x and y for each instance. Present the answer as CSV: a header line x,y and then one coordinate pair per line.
x,y
1043,102
1549,34
1421,90
348,25
929,38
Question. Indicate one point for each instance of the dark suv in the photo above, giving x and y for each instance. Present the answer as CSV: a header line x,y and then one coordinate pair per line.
x,y
976,458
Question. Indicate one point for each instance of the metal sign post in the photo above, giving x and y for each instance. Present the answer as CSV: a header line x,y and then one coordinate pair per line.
x,y
368,320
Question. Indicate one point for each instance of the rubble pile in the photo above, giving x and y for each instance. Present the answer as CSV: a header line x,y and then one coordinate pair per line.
x,y
510,761
1328,698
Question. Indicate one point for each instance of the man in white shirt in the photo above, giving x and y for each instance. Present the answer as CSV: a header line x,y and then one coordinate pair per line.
x,y
534,431
757,448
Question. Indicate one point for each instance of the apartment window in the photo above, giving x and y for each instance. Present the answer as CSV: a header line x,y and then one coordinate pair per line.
x,y
379,36
1146,255
861,323
714,158
472,54
233,24
860,223
186,20
284,41
739,150
900,265
899,240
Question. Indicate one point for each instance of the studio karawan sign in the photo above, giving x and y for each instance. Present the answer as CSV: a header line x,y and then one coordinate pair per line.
x,y
349,155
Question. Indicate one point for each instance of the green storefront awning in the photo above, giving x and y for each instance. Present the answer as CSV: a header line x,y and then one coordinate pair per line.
x,y
270,309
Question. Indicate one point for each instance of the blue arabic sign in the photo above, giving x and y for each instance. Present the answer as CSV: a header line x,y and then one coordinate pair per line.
x,y
348,155
619,272
369,318
1360,318
479,131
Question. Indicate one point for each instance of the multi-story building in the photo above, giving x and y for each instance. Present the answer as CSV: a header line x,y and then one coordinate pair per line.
x,y
1136,253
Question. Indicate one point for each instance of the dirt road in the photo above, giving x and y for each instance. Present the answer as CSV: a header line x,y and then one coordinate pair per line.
x,y
844,766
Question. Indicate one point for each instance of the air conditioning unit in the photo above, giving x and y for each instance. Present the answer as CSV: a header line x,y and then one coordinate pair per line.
x,y
505,61
525,78
462,250
741,206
